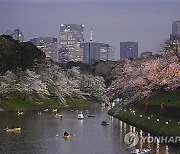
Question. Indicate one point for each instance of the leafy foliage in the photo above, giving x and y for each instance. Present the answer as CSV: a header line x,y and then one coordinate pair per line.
x,y
15,54
84,68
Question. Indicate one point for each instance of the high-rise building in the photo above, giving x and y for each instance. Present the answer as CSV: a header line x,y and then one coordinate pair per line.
x,y
48,45
94,51
128,50
16,34
106,52
175,30
71,35
91,51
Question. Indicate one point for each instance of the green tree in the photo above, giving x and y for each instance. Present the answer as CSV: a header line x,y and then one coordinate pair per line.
x,y
18,55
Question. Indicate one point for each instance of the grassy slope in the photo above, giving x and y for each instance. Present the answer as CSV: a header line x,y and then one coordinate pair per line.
x,y
16,101
151,125
168,98
76,102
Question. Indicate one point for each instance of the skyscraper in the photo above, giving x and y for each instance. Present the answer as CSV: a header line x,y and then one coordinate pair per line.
x,y
94,51
91,51
106,52
71,35
16,34
48,45
175,30
128,50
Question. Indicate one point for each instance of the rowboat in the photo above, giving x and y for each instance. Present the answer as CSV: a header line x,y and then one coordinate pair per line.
x,y
104,123
90,115
20,112
54,110
13,129
66,136
57,115
143,151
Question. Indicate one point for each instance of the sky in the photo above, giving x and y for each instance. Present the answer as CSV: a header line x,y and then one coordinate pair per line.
x,y
148,22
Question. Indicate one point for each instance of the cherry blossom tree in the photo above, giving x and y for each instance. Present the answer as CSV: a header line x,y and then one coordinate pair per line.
x,y
137,79
48,80
171,47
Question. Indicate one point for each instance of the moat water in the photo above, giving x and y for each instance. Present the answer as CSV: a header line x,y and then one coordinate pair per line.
x,y
42,134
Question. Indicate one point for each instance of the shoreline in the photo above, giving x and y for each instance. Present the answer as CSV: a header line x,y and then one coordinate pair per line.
x,y
151,125
157,114
34,108
28,106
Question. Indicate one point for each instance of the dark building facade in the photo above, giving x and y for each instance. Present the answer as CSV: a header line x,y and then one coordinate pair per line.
x,y
71,35
175,30
94,51
128,50
91,51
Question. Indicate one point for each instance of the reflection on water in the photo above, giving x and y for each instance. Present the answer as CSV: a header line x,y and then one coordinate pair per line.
x,y
156,147
167,149
42,134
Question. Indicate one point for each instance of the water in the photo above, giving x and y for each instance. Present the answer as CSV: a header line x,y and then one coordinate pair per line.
x,y
42,134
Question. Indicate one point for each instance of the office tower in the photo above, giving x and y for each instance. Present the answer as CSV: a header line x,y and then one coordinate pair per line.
x,y
91,51
94,52
175,30
106,52
71,35
16,34
128,50
48,45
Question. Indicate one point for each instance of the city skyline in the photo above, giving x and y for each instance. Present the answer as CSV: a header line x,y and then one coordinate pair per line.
x,y
146,22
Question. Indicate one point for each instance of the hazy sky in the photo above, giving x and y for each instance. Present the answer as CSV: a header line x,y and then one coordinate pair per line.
x,y
148,22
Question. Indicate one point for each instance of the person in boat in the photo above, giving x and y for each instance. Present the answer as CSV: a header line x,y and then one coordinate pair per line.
x,y
66,133
104,122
